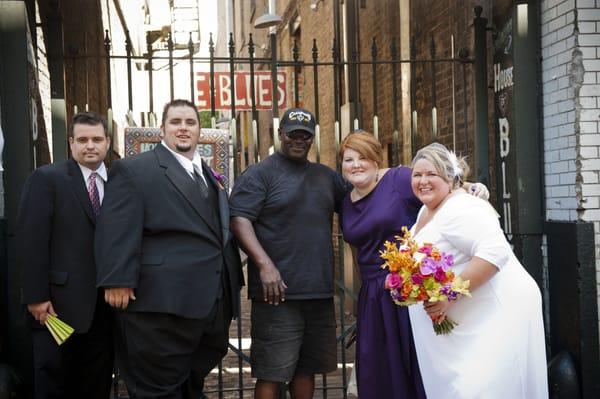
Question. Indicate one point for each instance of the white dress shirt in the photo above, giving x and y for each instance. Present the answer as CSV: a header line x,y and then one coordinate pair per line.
x,y
189,165
103,177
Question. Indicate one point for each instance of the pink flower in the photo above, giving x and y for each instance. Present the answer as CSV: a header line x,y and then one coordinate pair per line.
x,y
393,281
417,278
440,275
426,249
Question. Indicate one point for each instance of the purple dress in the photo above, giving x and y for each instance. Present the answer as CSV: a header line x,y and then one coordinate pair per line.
x,y
385,353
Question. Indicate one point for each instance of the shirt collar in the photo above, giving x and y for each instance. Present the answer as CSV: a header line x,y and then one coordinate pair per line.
x,y
187,164
101,171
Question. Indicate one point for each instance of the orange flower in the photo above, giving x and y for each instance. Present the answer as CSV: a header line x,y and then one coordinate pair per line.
x,y
423,296
406,289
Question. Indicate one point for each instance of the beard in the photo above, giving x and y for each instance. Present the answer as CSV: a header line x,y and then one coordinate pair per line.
x,y
183,147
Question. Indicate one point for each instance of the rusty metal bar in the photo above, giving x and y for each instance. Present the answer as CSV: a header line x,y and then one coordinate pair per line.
x,y
191,52
108,79
129,77
315,57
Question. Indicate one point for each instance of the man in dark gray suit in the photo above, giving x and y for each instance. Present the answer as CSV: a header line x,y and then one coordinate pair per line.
x,y
55,238
166,258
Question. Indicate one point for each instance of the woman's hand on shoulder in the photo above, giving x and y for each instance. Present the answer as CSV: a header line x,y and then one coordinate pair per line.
x,y
479,190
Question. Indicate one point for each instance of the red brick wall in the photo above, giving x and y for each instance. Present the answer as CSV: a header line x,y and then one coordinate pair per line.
x,y
380,20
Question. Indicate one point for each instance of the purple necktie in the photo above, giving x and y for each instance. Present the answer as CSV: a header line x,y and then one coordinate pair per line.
x,y
93,193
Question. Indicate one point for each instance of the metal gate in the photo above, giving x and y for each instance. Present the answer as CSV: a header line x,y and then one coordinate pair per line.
x,y
232,378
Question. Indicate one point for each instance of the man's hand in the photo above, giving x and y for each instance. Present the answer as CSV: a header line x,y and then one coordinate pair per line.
x,y
272,284
41,310
118,297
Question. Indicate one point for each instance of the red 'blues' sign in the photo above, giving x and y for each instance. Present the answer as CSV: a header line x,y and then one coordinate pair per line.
x,y
263,90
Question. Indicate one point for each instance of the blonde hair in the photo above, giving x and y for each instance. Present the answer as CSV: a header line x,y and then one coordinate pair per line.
x,y
365,144
454,169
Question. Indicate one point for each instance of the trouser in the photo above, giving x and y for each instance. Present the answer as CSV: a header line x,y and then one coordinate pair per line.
x,y
79,368
167,356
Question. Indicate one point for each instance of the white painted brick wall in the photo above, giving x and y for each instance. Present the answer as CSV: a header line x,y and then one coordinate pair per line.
x,y
571,123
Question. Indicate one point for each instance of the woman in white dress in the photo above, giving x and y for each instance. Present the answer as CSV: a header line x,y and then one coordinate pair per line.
x,y
498,348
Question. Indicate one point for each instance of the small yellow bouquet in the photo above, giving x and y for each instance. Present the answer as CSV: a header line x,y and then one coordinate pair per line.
x,y
59,330
421,273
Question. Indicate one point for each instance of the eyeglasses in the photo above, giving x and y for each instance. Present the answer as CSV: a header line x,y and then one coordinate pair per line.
x,y
298,135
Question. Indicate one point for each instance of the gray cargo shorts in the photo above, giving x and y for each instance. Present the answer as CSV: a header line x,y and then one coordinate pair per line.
x,y
295,337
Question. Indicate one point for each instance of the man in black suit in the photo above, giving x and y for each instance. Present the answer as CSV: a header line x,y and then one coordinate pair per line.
x,y
167,259
55,234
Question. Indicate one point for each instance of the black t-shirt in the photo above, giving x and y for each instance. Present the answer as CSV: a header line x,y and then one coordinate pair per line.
x,y
291,205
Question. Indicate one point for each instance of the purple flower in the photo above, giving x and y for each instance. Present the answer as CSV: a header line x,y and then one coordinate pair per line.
x,y
446,289
396,296
220,178
393,281
447,261
428,266
452,296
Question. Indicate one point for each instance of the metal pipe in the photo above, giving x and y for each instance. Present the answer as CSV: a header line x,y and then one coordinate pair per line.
x,y
150,85
191,51
108,85
433,92
453,97
274,96
395,140
228,16
211,51
254,124
272,5
236,165
171,78
128,48
481,98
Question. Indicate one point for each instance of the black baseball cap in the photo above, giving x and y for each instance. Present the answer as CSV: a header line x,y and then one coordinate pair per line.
x,y
298,119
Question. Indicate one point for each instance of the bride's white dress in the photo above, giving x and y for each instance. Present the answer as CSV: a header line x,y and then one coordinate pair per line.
x,y
498,348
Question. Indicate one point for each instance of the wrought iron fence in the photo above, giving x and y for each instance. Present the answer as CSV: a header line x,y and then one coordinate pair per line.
x,y
379,65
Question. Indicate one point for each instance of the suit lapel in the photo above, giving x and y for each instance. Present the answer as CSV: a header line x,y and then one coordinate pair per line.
x,y
184,183
223,203
80,190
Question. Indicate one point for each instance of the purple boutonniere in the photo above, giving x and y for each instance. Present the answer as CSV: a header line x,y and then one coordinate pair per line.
x,y
219,178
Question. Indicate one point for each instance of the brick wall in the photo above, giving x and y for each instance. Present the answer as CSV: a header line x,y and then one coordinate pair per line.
x,y
571,89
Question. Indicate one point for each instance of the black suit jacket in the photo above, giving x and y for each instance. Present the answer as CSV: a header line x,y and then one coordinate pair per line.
x,y
155,234
55,243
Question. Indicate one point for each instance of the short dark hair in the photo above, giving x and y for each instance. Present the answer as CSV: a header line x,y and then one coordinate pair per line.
x,y
88,118
178,103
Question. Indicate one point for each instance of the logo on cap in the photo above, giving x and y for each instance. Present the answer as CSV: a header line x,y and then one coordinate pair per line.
x,y
299,116
298,119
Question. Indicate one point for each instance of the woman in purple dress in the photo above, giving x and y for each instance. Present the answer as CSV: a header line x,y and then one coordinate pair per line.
x,y
377,208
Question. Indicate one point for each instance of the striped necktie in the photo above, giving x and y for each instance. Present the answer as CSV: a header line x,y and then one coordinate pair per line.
x,y
93,194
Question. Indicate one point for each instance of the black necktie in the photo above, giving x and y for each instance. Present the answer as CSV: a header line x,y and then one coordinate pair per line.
x,y
201,183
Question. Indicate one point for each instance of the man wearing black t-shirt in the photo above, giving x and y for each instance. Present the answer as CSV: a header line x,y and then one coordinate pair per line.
x,y
281,211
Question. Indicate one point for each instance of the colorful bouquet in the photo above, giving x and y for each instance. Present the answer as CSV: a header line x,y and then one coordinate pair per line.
x,y
421,273
59,330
